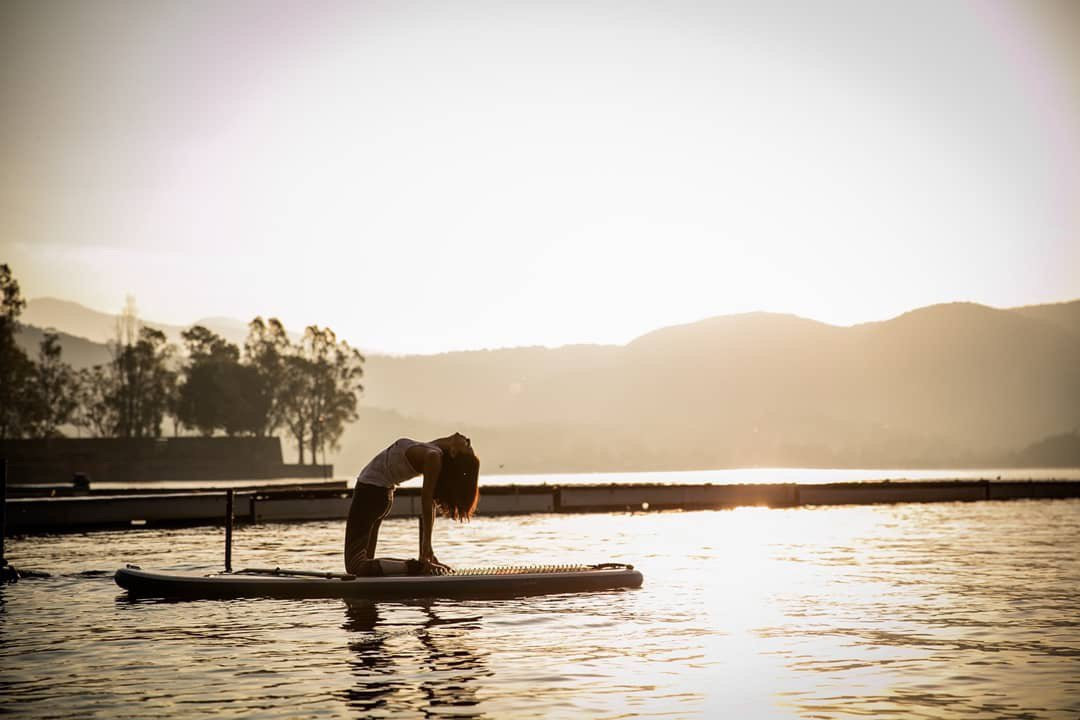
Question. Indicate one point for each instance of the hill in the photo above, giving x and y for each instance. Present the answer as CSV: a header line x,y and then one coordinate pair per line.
x,y
99,327
947,385
78,351
1063,315
941,386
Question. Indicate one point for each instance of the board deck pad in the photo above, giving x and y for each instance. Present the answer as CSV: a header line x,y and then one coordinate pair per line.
x,y
508,580
458,572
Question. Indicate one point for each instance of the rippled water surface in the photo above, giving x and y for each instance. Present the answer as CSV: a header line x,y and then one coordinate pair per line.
x,y
935,611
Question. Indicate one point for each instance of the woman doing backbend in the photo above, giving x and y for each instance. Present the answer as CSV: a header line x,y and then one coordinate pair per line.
x,y
450,469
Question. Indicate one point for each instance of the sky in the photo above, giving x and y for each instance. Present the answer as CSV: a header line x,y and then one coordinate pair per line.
x,y
429,176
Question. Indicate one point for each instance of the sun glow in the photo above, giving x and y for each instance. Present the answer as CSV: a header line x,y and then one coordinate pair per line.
x,y
552,175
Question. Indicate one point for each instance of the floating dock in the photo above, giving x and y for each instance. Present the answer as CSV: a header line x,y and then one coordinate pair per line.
x,y
58,514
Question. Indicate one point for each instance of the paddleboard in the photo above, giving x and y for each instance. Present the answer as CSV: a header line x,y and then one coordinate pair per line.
x,y
461,583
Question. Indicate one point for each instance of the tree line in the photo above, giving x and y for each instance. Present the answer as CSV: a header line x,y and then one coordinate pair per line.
x,y
309,388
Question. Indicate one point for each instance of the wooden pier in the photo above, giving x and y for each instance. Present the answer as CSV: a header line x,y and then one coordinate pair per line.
x,y
58,514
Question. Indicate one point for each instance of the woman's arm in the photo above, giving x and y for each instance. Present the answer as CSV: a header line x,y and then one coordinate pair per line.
x,y
432,465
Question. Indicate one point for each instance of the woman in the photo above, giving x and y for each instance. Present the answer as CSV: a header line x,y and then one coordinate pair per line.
x,y
450,469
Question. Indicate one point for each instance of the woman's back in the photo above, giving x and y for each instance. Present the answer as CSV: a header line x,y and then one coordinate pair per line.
x,y
391,467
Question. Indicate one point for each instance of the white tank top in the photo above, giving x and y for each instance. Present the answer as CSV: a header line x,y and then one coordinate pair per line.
x,y
391,467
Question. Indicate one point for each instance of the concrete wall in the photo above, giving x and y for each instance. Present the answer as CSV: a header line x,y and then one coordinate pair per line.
x,y
310,505
56,460
74,512
60,513
660,497
884,492
1014,490
271,508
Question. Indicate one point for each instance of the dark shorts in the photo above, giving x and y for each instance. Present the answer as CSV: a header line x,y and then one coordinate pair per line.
x,y
370,504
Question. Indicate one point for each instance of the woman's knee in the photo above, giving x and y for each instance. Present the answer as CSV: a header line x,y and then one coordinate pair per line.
x,y
362,566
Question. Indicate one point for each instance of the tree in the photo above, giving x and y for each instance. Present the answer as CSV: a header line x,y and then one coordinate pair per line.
x,y
265,349
52,391
318,347
246,403
335,383
205,345
172,408
16,369
140,380
201,403
11,303
295,408
94,411
321,381
218,392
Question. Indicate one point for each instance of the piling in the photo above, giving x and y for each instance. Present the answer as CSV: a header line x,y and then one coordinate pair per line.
x,y
7,573
228,529
3,509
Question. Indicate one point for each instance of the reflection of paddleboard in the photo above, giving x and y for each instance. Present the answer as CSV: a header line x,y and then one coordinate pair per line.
x,y
467,582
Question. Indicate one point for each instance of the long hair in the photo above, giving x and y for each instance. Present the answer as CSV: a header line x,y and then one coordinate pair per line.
x,y
458,488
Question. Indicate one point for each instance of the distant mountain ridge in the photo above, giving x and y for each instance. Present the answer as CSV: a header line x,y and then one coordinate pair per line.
x,y
77,351
1063,315
945,385
99,327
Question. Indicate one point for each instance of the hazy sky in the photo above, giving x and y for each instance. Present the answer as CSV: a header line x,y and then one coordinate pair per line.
x,y
428,176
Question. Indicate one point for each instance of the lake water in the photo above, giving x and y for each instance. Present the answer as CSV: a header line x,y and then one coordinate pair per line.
x,y
965,610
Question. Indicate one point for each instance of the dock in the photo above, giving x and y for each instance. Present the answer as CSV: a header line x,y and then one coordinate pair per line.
x,y
31,515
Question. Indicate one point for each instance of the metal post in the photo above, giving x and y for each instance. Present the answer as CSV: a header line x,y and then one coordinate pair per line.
x,y
3,508
8,574
228,529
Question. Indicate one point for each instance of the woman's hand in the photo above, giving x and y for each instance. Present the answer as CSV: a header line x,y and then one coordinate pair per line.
x,y
432,566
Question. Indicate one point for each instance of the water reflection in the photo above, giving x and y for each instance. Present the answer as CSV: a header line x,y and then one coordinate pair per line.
x,y
949,611
409,666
